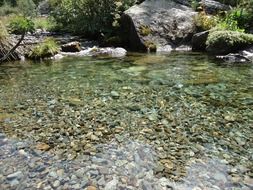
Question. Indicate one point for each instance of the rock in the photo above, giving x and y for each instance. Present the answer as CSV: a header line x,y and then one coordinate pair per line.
x,y
111,185
243,56
71,47
146,186
58,56
234,58
80,172
199,41
101,181
14,183
248,181
91,188
247,53
16,175
56,184
76,186
95,51
157,23
213,7
115,94
113,52
42,147
119,52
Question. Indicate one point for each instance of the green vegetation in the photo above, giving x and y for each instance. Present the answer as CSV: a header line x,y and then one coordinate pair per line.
x,y
21,25
46,49
45,23
26,7
205,22
145,30
94,18
239,18
7,9
227,41
18,25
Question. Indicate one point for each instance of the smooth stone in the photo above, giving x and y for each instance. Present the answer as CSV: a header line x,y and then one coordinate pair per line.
x,y
16,175
80,172
56,184
53,174
104,170
14,182
101,181
146,186
76,186
220,177
112,185
248,181
91,188
60,172
115,94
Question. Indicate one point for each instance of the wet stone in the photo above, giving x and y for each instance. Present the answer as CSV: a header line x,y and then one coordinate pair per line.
x,y
16,175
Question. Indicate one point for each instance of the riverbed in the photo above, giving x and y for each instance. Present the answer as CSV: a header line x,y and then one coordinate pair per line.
x,y
146,121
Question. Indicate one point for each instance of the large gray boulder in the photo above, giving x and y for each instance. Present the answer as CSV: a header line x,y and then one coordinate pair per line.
x,y
213,7
158,25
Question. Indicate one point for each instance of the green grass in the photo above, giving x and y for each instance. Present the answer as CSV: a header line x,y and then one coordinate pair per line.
x,y
46,49
44,23
3,32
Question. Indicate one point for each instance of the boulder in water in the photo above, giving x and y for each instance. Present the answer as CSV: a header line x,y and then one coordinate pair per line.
x,y
71,47
158,23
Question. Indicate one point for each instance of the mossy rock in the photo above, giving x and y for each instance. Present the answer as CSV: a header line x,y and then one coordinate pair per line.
x,y
224,42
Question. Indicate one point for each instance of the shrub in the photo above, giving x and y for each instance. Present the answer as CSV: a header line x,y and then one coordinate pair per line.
x,y
45,23
46,49
222,42
21,25
26,7
205,22
89,17
7,9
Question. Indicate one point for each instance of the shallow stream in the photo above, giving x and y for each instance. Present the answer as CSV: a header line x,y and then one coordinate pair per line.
x,y
178,121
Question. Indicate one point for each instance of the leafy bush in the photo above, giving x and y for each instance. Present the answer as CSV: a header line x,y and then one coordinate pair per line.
x,y
227,41
21,25
89,17
45,23
205,22
46,49
7,9
26,7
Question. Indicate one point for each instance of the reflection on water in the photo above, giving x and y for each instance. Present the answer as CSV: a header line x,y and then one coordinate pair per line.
x,y
140,122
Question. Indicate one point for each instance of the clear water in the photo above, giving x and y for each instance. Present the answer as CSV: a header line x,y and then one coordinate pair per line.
x,y
185,106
